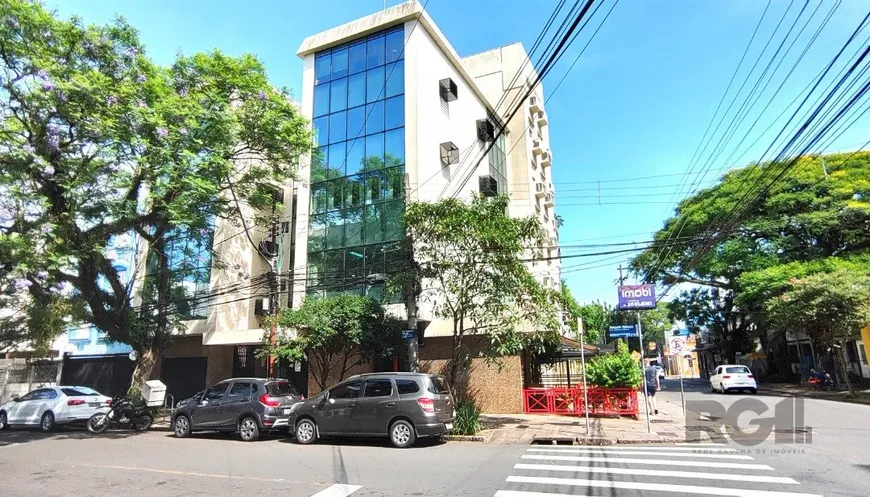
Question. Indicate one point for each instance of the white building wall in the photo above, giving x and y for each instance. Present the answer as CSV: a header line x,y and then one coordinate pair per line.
x,y
430,122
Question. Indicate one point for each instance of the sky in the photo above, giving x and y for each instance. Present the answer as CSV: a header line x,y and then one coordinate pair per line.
x,y
624,124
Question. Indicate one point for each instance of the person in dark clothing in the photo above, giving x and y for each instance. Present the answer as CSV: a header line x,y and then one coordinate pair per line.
x,y
652,386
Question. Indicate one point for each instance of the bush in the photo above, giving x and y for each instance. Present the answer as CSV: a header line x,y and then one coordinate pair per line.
x,y
617,370
467,420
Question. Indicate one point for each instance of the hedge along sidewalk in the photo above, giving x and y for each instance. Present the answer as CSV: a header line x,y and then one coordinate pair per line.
x,y
668,426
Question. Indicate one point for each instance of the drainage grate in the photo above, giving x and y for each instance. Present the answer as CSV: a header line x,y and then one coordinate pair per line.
x,y
552,441
792,430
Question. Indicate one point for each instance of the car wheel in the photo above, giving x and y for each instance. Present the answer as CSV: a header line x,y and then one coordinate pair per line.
x,y
306,432
402,434
181,427
4,422
248,429
46,424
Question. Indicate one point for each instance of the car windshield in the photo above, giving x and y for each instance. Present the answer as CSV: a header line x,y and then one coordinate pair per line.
x,y
738,370
281,389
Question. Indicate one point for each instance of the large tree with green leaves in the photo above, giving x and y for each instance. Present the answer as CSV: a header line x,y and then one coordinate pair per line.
x,y
337,334
831,307
98,141
722,234
594,317
471,264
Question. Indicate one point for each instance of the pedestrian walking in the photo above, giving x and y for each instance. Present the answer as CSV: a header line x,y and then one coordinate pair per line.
x,y
652,386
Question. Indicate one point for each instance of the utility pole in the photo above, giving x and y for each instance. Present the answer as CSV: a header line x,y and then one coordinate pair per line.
x,y
412,290
643,373
273,289
583,361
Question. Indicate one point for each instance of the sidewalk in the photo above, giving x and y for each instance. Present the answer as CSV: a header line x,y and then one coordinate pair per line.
x,y
863,395
668,426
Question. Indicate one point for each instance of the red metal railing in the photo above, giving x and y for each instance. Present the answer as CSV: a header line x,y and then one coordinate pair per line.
x,y
561,400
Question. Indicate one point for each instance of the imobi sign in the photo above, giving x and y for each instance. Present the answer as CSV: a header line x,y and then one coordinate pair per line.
x,y
637,297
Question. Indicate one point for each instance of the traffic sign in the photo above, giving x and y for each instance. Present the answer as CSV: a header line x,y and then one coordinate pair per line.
x,y
409,334
623,331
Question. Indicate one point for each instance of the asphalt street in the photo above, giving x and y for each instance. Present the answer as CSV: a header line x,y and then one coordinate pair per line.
x,y
833,462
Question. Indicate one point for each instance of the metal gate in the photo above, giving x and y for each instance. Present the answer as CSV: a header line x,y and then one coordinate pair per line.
x,y
108,374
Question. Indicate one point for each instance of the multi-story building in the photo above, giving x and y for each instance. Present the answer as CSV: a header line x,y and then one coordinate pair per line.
x,y
399,116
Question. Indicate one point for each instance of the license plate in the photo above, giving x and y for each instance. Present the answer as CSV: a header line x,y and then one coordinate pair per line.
x,y
94,404
449,426
287,411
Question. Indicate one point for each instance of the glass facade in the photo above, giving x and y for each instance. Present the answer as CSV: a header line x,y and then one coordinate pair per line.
x,y
358,167
497,165
190,258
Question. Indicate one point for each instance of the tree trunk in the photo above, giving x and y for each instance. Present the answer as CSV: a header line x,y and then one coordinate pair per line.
x,y
841,358
142,371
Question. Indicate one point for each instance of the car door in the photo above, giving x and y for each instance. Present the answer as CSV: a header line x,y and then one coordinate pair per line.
x,y
236,402
716,378
335,411
375,408
18,413
207,413
32,409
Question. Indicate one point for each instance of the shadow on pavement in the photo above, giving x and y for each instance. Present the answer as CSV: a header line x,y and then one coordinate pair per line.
x,y
369,442
25,435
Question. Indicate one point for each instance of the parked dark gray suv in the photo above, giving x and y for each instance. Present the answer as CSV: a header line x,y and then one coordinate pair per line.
x,y
248,406
401,406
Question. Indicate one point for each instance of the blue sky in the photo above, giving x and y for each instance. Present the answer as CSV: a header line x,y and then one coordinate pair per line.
x,y
635,105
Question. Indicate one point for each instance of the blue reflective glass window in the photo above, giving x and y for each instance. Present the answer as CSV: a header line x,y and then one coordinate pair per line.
x,y
394,183
394,147
321,100
353,225
337,127
321,69
395,112
375,55
333,198
375,117
318,197
374,187
353,191
374,152
356,120
375,84
321,130
395,45
317,233
337,158
356,150
319,160
356,89
374,229
338,95
334,235
357,57
339,63
394,228
395,79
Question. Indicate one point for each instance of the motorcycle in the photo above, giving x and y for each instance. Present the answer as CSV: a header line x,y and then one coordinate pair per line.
x,y
122,414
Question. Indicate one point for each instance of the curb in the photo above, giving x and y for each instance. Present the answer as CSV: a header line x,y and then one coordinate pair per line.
x,y
462,438
807,395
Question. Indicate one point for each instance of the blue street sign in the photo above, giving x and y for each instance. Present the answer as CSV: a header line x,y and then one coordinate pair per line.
x,y
623,331
409,334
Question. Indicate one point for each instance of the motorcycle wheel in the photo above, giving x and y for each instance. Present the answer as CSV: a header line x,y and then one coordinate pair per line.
x,y
98,423
143,423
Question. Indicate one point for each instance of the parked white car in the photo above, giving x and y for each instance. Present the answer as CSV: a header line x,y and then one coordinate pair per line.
x,y
733,377
52,406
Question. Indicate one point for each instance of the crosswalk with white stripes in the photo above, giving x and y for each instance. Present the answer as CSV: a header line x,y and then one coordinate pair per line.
x,y
691,469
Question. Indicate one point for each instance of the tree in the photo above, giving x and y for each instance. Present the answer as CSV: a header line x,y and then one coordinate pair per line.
x,y
337,334
819,210
617,370
97,141
593,315
472,271
830,307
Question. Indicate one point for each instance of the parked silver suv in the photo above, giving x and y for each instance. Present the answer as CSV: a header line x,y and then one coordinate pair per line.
x,y
401,406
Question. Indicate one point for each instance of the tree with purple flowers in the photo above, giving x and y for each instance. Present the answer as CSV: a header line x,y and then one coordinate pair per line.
x,y
98,141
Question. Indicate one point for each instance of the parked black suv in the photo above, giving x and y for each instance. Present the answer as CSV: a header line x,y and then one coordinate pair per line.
x,y
401,406
248,406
